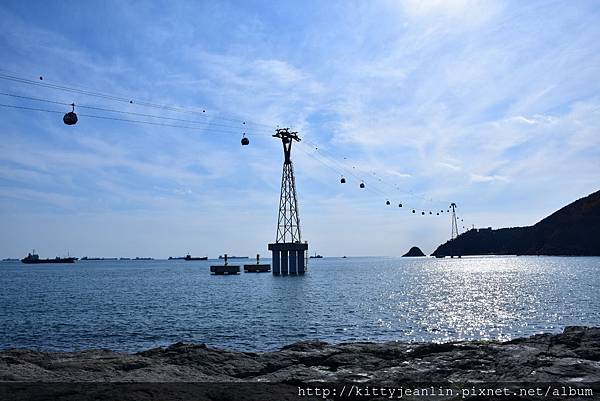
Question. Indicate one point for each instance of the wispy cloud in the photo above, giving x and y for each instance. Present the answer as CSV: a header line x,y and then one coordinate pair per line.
x,y
487,178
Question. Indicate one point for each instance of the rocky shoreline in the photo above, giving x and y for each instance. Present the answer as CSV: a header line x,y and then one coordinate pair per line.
x,y
572,356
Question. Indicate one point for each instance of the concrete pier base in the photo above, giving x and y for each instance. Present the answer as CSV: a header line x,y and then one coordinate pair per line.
x,y
261,268
289,258
225,269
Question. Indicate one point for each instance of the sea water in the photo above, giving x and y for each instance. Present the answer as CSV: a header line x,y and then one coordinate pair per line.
x,y
135,305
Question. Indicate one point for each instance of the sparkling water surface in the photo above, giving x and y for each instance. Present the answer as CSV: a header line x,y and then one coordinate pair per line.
x,y
136,305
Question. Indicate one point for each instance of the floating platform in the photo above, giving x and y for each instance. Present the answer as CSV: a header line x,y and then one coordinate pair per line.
x,y
257,268
225,269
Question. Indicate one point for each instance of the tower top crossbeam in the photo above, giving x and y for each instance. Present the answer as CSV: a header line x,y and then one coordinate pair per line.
x,y
286,137
285,133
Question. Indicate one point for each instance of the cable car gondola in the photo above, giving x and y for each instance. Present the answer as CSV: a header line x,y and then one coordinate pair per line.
x,y
399,204
387,202
422,213
343,180
245,141
362,184
413,210
70,118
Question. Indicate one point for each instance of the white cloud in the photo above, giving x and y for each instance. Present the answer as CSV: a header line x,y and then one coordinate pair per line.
x,y
452,14
487,178
450,166
396,173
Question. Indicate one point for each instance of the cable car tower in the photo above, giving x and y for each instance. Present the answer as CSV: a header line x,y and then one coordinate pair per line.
x,y
454,224
288,251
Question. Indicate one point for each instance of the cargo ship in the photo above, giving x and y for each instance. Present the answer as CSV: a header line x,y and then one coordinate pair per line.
x,y
33,258
233,257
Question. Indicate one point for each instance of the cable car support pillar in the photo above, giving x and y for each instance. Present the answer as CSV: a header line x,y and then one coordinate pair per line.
x,y
454,231
288,250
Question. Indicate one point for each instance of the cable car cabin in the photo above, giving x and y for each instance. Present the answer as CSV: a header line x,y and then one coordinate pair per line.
x,y
343,180
423,213
399,204
362,184
245,141
70,118
387,202
413,210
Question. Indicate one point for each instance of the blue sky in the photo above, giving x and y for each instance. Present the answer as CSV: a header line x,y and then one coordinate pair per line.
x,y
493,105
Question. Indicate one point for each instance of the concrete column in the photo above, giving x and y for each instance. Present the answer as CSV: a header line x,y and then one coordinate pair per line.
x,y
276,263
284,262
293,262
301,262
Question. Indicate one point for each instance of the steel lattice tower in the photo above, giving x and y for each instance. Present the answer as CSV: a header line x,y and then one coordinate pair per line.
x,y
288,223
454,223
288,249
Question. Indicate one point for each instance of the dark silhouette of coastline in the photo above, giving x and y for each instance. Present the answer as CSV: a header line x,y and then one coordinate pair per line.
x,y
573,230
97,258
188,257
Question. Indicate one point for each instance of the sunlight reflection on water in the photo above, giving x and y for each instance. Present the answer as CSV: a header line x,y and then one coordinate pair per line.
x,y
136,305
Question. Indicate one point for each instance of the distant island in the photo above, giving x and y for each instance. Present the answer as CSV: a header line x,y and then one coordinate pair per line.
x,y
413,252
573,230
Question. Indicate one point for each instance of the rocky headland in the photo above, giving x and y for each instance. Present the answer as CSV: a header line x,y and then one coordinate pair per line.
x,y
573,230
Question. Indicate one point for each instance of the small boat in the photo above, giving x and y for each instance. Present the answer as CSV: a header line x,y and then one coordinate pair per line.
x,y
315,256
33,258
190,257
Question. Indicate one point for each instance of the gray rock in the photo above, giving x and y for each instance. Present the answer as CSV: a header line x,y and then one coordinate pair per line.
x,y
573,356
